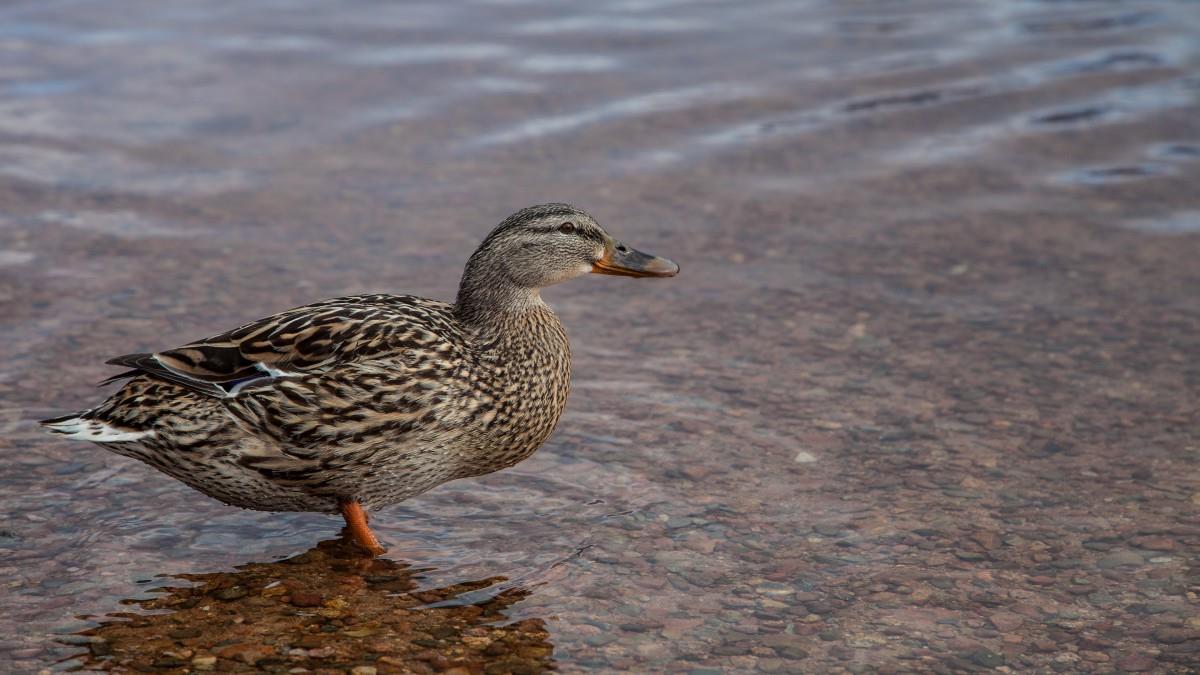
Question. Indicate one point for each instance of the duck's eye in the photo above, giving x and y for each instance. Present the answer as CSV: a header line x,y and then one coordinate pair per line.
x,y
567,228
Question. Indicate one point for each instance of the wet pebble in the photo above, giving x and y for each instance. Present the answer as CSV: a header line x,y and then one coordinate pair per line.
x,y
1122,559
986,658
306,599
1176,635
1135,663
231,593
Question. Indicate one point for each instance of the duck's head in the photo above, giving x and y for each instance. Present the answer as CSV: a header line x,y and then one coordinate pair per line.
x,y
543,245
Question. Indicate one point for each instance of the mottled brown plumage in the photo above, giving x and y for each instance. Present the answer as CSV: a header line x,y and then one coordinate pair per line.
x,y
372,398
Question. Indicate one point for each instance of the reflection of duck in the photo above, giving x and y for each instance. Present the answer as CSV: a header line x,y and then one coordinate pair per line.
x,y
326,608
372,399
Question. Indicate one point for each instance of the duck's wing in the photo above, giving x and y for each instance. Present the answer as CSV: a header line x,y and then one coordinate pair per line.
x,y
301,341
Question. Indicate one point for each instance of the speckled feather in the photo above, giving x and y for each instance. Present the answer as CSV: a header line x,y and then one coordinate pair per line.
x,y
384,398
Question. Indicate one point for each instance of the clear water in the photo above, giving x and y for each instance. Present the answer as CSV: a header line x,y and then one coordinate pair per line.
x,y
938,276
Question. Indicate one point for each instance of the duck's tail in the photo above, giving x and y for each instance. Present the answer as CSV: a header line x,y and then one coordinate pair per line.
x,y
80,426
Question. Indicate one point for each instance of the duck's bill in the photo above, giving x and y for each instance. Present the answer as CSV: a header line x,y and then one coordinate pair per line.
x,y
623,261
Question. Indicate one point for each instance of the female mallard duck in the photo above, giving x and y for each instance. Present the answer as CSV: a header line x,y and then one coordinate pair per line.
x,y
368,400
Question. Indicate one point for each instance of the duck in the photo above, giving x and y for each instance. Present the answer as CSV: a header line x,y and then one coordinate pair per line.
x,y
351,404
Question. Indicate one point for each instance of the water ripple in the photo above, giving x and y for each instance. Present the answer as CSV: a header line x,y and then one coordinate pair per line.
x,y
428,53
610,24
567,63
644,104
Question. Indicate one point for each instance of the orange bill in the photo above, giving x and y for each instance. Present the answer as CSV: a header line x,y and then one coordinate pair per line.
x,y
624,261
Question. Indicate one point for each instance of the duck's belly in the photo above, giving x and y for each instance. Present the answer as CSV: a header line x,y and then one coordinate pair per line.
x,y
406,472
230,483
377,475
401,476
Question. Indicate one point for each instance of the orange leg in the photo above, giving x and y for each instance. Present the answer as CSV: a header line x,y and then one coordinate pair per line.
x,y
356,523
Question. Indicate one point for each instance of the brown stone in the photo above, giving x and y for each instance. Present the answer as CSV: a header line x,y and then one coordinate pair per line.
x,y
1135,663
306,599
1006,621
250,654
1173,636
1155,543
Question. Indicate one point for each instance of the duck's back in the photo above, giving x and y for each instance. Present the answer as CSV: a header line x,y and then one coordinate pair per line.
x,y
285,412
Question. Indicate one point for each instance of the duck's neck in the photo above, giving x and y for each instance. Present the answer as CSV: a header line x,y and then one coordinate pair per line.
x,y
522,360
488,300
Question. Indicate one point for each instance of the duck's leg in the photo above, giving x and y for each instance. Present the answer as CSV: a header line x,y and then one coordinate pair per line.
x,y
356,524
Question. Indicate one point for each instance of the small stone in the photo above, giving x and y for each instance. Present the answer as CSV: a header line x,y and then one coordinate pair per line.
x,y
986,658
362,670
827,529
207,662
1094,644
231,593
1042,580
307,599
1045,646
768,665
778,641
1174,636
1135,663
1053,448
774,588
792,652
310,641
1121,559
970,556
250,654
1006,622
1155,543
988,540
804,457
599,640
478,642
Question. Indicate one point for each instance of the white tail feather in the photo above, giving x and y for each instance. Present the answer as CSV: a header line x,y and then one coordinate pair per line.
x,y
95,431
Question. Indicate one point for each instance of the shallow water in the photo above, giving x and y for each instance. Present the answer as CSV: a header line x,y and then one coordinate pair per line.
x,y
924,396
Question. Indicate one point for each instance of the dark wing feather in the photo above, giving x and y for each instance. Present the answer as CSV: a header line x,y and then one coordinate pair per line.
x,y
119,376
304,340
146,364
